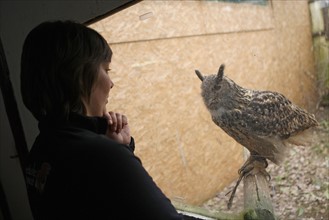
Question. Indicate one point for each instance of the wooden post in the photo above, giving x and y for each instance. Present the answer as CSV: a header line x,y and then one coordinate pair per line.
x,y
257,200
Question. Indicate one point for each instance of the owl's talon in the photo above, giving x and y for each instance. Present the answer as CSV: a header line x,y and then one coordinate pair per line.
x,y
266,174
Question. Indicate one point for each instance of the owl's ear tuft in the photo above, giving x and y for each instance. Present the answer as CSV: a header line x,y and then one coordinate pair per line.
x,y
220,73
198,73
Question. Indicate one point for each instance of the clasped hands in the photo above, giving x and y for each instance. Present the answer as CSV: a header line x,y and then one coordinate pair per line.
x,y
118,128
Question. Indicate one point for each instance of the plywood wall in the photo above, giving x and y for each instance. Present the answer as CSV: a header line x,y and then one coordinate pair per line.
x,y
157,46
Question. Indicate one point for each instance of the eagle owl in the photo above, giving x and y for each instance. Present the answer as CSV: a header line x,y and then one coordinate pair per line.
x,y
264,122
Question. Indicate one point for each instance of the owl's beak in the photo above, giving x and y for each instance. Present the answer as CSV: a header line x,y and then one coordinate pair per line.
x,y
199,75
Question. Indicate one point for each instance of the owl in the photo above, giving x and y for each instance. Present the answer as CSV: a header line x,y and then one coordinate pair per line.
x,y
264,122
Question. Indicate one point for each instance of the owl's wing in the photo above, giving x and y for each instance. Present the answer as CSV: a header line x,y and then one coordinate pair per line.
x,y
271,114
263,121
242,129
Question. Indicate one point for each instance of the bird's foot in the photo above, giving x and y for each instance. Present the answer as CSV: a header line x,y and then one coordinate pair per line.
x,y
253,161
259,165
254,165
266,174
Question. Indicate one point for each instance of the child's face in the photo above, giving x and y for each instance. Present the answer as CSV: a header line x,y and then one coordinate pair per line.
x,y
100,91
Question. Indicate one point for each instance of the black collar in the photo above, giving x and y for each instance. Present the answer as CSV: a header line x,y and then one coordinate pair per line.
x,y
95,124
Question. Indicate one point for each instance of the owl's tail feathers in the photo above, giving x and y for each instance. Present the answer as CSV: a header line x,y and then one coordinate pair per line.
x,y
279,152
281,148
303,138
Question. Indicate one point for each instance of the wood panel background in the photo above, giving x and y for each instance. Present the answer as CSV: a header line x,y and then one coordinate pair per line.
x,y
157,46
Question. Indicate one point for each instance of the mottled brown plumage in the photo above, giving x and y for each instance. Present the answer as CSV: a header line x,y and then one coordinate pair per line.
x,y
264,122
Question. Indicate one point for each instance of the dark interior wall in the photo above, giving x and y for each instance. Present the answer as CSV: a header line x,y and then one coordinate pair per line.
x,y
17,18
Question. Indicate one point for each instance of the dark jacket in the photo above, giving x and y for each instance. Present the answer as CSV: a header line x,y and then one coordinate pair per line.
x,y
75,172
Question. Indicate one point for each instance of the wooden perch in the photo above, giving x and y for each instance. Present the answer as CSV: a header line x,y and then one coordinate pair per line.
x,y
257,200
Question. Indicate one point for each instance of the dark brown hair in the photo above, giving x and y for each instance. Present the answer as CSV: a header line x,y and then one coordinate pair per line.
x,y
59,65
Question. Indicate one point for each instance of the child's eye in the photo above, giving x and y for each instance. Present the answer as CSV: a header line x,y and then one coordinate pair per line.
x,y
108,70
